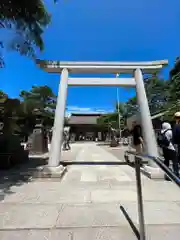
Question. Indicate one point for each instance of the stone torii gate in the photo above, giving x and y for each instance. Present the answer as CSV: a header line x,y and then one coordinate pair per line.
x,y
135,68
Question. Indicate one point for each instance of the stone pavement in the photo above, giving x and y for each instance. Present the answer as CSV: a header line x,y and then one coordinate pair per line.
x,y
85,205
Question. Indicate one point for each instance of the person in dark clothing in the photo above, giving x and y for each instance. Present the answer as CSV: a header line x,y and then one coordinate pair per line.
x,y
176,134
168,148
137,137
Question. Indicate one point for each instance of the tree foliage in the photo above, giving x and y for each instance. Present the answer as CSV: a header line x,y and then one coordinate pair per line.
x,y
174,90
9,110
174,84
39,98
157,91
107,119
113,118
131,106
27,19
163,95
19,115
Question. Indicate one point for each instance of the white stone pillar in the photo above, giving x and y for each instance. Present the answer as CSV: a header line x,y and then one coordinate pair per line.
x,y
145,117
57,137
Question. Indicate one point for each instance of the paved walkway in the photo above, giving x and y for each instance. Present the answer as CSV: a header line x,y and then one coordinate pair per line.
x,y
85,205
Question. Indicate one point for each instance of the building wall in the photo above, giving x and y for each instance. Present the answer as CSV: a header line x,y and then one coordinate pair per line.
x,y
91,131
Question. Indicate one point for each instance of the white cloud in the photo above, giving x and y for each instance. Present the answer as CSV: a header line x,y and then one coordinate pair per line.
x,y
76,109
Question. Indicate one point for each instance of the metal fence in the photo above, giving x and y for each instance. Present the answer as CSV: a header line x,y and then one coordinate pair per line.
x,y
141,234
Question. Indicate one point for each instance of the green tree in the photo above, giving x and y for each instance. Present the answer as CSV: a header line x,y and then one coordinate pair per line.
x,y
27,20
174,85
131,106
3,95
174,91
157,91
113,118
9,110
19,115
106,119
39,98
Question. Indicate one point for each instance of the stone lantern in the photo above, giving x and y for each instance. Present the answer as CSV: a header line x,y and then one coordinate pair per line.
x,y
38,142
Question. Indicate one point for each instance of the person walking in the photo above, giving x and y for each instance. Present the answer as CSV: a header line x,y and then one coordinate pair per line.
x,y
66,138
165,141
137,137
68,141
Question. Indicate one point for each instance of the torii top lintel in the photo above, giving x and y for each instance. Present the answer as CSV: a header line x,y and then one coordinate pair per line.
x,y
101,67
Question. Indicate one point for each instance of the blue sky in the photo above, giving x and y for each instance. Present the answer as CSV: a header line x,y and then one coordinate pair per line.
x,y
98,31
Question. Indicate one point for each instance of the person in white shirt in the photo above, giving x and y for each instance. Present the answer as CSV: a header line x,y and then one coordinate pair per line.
x,y
169,151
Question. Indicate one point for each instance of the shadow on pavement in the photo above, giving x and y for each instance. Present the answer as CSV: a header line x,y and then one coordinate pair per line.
x,y
64,163
18,175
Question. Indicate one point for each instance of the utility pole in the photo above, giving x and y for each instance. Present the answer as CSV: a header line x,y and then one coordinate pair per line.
x,y
119,114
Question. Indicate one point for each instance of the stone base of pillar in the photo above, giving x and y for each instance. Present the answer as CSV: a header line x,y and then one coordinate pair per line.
x,y
44,156
152,172
52,172
45,172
